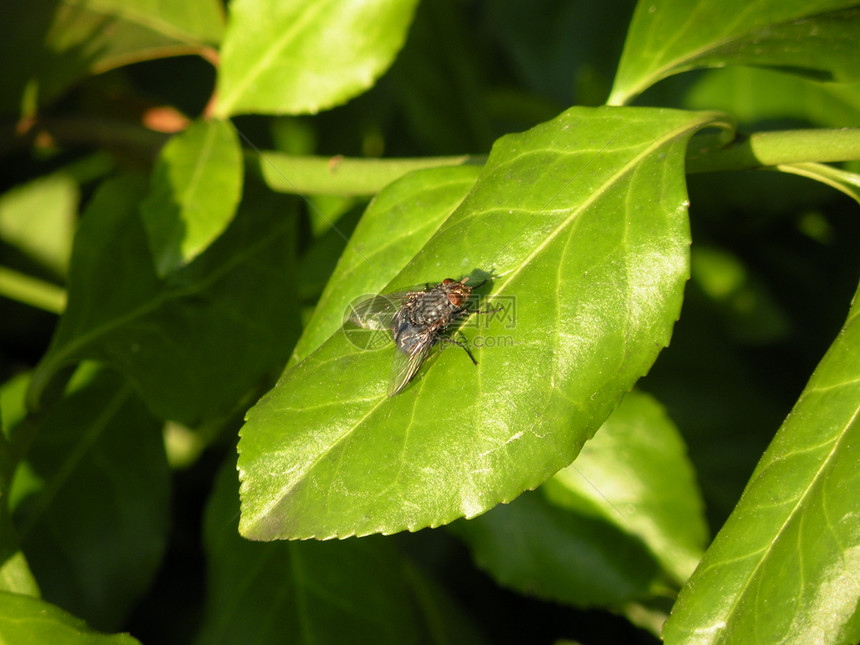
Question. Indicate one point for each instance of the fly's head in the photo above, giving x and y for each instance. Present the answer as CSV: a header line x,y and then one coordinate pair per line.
x,y
457,292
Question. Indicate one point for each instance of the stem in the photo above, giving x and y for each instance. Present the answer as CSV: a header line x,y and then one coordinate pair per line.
x,y
766,149
32,291
84,130
340,175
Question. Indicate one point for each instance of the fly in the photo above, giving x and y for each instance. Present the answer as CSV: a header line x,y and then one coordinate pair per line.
x,y
417,320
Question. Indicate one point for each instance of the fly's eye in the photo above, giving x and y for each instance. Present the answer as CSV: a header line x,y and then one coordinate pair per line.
x,y
447,281
456,299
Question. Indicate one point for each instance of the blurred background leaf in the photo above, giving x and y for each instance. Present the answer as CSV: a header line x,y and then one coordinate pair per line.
x,y
171,337
317,591
57,43
91,499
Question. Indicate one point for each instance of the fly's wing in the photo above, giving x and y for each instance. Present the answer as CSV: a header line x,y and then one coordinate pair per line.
x,y
407,364
377,313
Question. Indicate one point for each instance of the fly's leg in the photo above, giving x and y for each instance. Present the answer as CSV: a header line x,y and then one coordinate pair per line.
x,y
462,313
463,345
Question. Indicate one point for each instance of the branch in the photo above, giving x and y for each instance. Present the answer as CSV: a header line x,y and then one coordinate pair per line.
x,y
767,149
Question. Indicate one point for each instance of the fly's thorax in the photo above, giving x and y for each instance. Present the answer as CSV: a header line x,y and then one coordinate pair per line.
x,y
439,305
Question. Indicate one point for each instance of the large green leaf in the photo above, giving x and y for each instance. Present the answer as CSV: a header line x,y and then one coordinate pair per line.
x,y
94,513
316,592
195,190
818,37
292,56
194,343
29,621
56,42
582,222
784,566
620,523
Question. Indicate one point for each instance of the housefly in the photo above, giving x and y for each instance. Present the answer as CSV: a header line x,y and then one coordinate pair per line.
x,y
416,319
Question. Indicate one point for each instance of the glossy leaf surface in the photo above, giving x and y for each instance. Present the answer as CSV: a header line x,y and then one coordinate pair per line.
x,y
582,223
670,36
784,566
293,57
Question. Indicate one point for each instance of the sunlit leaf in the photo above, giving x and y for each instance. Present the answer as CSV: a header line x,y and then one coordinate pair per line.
x,y
336,176
38,218
817,37
195,190
784,566
30,621
582,223
292,57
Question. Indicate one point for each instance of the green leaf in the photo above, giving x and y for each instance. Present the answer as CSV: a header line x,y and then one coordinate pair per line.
x,y
15,574
193,344
842,180
636,474
666,37
38,218
582,223
315,592
784,566
619,524
293,57
94,524
29,621
194,193
393,229
57,43
754,95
